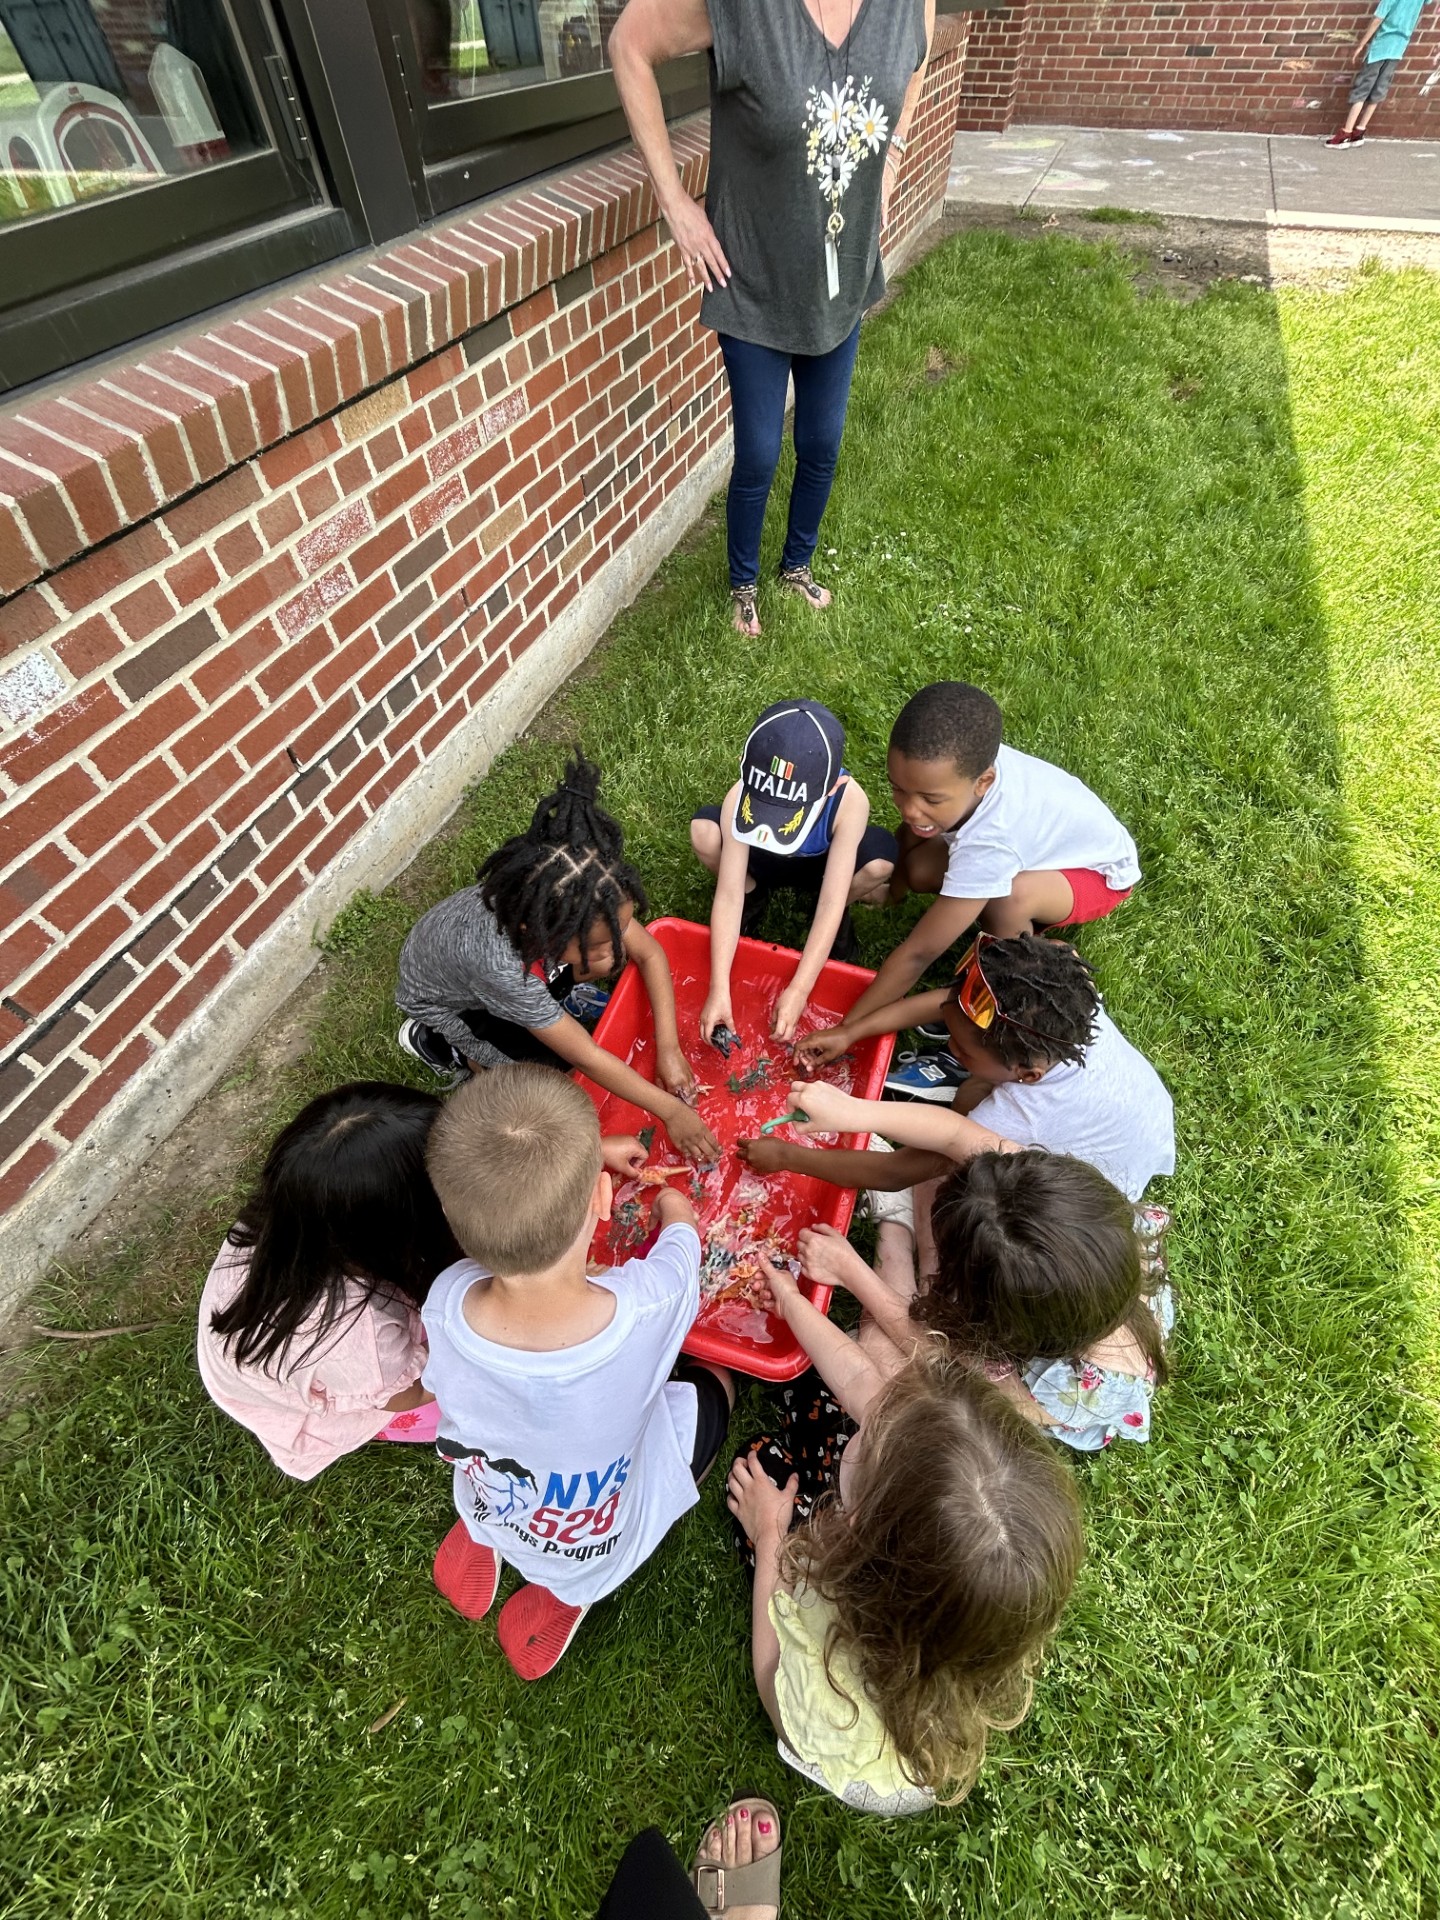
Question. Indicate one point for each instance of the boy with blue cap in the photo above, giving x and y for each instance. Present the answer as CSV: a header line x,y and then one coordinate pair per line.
x,y
795,818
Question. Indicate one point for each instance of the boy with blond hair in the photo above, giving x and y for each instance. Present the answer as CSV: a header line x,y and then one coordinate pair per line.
x,y
576,1442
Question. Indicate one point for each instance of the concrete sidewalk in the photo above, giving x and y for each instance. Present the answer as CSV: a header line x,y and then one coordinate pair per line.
x,y
1283,180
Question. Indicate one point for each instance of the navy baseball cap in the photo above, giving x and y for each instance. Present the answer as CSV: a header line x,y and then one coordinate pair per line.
x,y
790,763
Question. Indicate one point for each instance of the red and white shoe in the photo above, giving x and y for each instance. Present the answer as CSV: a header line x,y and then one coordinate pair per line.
x,y
467,1573
535,1629
1342,139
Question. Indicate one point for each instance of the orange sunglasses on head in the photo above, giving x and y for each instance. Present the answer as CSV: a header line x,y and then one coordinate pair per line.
x,y
975,996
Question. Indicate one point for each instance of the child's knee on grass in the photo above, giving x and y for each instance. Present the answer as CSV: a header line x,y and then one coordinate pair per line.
x,y
705,840
872,883
922,864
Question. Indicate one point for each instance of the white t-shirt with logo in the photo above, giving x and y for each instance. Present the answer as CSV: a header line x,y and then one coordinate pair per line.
x,y
1112,1110
1035,818
577,1461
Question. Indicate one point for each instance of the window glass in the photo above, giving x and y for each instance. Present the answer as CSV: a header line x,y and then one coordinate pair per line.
x,y
101,96
472,47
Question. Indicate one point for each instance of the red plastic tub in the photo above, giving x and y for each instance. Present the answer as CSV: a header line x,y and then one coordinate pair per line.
x,y
775,1207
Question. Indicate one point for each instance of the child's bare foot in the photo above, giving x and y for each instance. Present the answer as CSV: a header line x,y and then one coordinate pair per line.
x,y
746,616
749,1833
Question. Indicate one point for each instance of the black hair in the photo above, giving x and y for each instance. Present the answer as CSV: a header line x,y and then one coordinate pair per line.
x,y
549,885
1038,1258
949,721
1049,988
343,1197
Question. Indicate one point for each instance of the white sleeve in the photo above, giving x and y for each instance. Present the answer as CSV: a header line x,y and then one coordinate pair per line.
x,y
1004,1117
669,1275
979,869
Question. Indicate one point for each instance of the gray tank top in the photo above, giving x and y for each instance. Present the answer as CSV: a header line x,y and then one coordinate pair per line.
x,y
798,133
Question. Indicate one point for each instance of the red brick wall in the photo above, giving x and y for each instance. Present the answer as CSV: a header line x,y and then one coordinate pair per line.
x,y
1280,66
996,45
250,583
927,156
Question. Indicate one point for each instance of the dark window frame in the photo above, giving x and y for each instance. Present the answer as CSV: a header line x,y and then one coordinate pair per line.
x,y
359,164
96,276
461,150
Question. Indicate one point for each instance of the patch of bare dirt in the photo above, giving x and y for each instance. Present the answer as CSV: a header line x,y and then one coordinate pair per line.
x,y
1183,256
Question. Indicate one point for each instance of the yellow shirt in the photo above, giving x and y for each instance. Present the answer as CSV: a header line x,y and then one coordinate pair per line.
x,y
842,1738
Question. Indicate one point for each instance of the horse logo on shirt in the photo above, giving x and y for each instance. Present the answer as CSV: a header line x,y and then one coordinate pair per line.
x,y
503,1488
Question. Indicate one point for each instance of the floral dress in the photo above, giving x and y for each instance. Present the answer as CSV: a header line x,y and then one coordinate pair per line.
x,y
1090,1406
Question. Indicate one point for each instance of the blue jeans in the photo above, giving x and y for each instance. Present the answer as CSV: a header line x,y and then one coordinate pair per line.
x,y
758,377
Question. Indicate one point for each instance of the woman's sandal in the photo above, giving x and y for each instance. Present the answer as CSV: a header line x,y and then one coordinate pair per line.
x,y
800,580
720,1889
749,614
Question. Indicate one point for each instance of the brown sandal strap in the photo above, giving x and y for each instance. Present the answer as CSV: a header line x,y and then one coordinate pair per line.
x,y
745,601
801,580
720,1888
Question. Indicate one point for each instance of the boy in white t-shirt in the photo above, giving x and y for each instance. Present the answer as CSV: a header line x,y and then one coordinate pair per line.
x,y
1048,1068
576,1443
1001,837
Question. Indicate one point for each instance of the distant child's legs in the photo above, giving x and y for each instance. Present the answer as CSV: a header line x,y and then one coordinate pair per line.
x,y
1369,88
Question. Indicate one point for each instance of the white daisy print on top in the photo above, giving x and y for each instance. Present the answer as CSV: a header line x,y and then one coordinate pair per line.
x,y
845,126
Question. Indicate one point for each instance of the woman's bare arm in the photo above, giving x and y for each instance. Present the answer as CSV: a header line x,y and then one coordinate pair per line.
x,y
647,34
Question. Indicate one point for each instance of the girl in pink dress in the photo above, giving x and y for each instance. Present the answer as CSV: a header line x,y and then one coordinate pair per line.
x,y
310,1330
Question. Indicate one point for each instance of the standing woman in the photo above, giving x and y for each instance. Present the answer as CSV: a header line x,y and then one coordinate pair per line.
x,y
809,104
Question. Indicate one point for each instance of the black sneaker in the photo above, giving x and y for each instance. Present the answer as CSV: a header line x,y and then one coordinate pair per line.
x,y
846,943
925,1076
432,1050
935,1031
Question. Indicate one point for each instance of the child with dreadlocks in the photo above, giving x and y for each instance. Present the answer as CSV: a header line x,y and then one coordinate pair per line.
x,y
1048,1068
483,975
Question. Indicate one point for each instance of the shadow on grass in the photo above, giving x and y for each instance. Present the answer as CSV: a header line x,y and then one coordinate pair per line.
x,y
1095,511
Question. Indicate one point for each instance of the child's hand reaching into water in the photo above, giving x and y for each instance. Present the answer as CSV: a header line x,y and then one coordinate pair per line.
x,y
717,1012
775,1290
819,1049
622,1154
762,1509
674,1072
827,1108
786,1017
827,1256
768,1156
691,1136
674,1210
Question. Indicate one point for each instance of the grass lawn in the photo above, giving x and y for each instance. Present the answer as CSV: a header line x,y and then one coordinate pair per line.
x,y
1192,550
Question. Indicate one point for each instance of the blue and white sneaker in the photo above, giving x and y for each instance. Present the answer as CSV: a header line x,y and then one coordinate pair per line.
x,y
925,1076
586,1002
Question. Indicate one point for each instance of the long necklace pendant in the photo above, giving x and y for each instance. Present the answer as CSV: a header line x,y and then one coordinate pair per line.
x,y
833,229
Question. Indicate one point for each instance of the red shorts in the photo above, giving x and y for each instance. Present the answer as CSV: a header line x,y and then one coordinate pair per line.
x,y
1094,896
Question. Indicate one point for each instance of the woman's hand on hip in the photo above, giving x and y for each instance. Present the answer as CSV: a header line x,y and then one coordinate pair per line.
x,y
704,257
